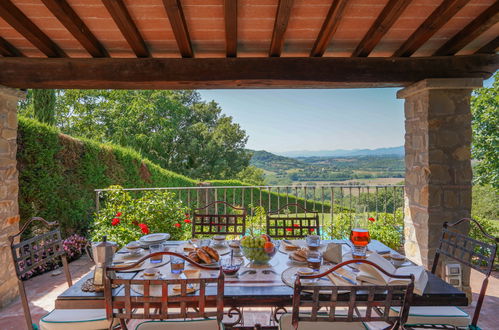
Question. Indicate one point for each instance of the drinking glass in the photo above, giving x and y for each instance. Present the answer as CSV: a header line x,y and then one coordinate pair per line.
x,y
177,264
359,236
314,260
156,248
313,242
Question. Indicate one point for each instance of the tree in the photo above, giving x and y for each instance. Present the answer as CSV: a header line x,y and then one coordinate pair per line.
x,y
44,105
175,129
252,175
485,123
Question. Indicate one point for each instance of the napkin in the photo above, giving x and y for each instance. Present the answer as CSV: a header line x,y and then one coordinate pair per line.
x,y
333,253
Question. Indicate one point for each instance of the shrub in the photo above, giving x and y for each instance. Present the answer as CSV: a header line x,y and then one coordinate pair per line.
x,y
124,218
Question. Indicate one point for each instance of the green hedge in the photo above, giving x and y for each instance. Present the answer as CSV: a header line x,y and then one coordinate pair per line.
x,y
58,174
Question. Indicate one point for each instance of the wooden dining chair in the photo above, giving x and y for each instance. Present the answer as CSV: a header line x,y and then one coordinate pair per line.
x,y
157,303
467,251
38,251
219,218
349,307
284,224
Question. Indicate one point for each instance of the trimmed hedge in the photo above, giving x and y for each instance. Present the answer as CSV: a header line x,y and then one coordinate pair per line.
x,y
58,174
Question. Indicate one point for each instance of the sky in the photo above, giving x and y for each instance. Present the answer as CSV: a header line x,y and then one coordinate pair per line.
x,y
316,119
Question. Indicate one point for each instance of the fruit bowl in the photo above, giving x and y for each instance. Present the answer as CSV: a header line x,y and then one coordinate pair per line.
x,y
259,250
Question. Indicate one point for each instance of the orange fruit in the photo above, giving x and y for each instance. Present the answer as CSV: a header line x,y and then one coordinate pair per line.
x,y
265,237
268,247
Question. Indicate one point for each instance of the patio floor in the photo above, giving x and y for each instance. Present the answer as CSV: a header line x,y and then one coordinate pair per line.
x,y
43,290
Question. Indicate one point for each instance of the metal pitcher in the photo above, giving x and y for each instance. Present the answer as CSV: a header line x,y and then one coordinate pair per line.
x,y
102,255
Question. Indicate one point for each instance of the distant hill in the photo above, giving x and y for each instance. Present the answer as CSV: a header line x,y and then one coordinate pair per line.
x,y
395,151
286,170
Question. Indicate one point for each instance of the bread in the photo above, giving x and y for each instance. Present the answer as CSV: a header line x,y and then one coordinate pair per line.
x,y
194,257
211,252
299,255
203,256
289,247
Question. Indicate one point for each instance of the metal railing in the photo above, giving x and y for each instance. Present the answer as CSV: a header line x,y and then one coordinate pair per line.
x,y
330,201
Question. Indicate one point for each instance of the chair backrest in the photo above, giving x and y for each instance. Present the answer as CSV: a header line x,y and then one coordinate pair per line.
x,y
470,252
184,304
375,299
232,220
284,224
35,252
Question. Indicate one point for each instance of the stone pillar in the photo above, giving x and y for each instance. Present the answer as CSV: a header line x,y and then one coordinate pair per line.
x,y
9,187
438,161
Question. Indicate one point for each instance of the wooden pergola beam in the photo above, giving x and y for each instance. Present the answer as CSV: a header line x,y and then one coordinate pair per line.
x,y
441,15
490,47
328,28
470,32
68,17
230,16
210,73
179,27
391,12
16,18
280,26
8,50
123,20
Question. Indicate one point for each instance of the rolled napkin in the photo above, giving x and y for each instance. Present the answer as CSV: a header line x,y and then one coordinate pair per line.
x,y
188,273
289,246
333,253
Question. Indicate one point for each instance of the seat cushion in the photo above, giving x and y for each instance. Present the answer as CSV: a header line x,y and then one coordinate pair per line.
x,y
179,325
448,315
285,324
62,319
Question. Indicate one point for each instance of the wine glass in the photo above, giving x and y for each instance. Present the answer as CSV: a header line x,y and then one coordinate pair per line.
x,y
359,236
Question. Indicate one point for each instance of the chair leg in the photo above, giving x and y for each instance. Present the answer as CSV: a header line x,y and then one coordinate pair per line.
x,y
123,324
24,301
66,270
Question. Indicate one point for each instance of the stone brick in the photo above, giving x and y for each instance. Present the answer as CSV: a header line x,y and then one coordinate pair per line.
x,y
451,199
9,134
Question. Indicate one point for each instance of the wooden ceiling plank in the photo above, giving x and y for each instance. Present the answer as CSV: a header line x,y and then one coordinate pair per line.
x,y
118,11
389,15
179,27
470,32
329,27
441,15
22,24
230,13
68,17
239,72
490,47
8,50
280,26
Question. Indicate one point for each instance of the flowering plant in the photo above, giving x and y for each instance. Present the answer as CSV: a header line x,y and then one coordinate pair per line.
x,y
124,218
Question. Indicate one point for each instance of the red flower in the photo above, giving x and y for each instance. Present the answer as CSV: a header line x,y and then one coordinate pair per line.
x,y
144,228
177,225
115,221
118,214
371,219
289,229
312,230
296,225
187,221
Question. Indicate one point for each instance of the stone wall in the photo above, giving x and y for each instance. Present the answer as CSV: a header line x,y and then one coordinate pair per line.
x,y
438,161
9,187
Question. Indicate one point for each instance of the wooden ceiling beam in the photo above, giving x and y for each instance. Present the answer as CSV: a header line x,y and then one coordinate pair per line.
x,y
214,73
22,24
8,50
118,11
441,15
391,12
328,28
490,47
280,26
179,27
470,32
230,15
68,17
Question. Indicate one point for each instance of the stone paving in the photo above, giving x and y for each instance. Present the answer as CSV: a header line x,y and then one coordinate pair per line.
x,y
43,290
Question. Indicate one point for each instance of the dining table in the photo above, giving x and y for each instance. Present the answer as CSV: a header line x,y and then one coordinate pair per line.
x,y
261,285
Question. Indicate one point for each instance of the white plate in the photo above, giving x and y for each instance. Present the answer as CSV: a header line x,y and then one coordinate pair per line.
x,y
154,238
